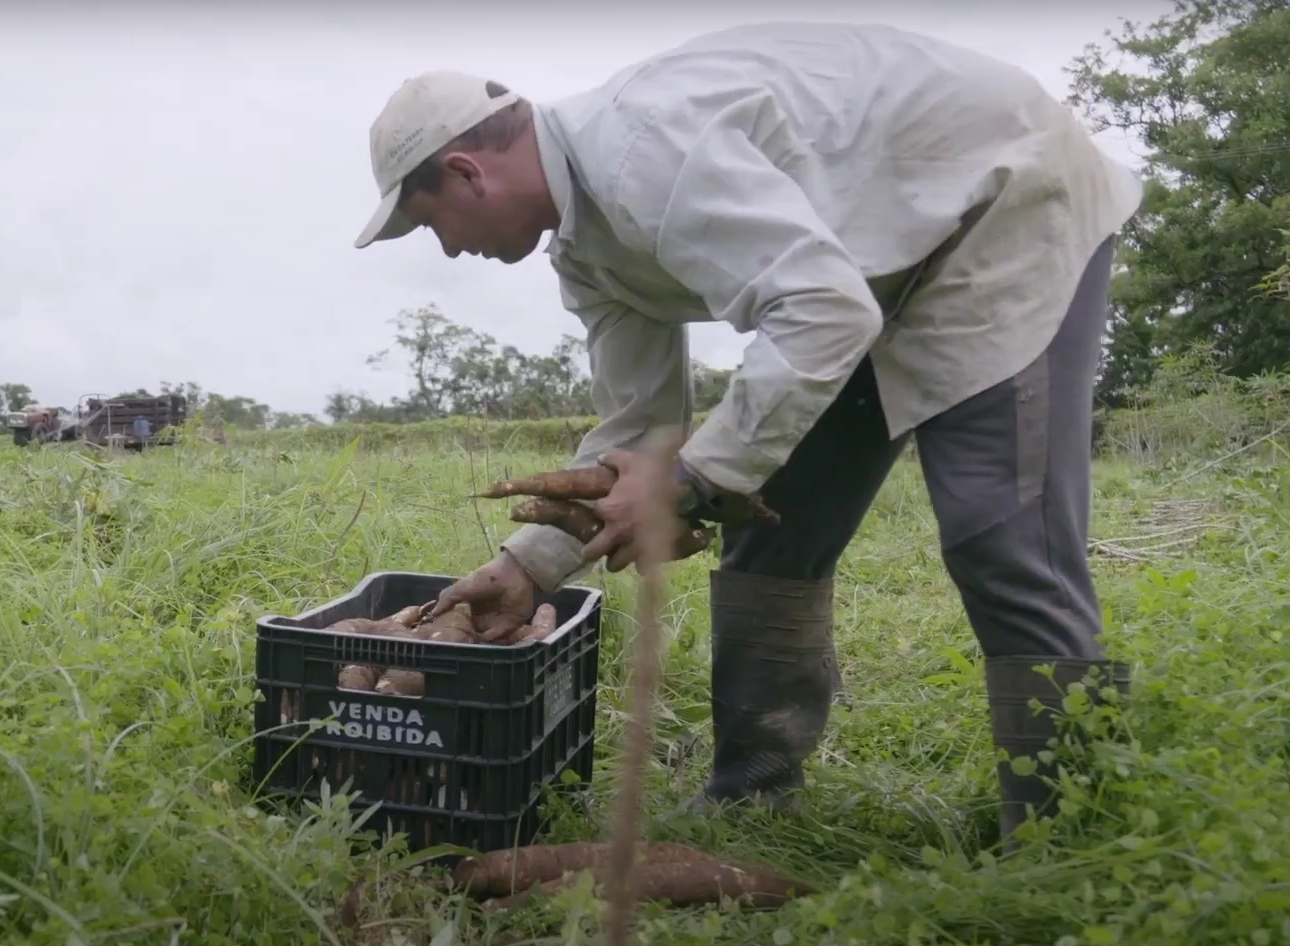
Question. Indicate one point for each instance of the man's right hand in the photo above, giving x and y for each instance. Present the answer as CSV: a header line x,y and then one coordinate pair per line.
x,y
500,595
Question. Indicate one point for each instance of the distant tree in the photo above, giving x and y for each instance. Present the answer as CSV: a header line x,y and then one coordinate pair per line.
x,y
286,420
458,370
14,396
243,413
430,343
346,406
709,384
340,405
192,393
1210,101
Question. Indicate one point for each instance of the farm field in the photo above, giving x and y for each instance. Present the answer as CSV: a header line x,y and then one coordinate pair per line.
x,y
129,590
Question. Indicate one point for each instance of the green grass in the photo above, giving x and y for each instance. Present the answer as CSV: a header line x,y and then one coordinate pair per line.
x,y
129,589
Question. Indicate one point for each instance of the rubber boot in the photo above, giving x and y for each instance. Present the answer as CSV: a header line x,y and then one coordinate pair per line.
x,y
1011,683
773,678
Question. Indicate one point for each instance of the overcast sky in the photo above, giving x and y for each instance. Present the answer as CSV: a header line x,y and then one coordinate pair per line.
x,y
185,180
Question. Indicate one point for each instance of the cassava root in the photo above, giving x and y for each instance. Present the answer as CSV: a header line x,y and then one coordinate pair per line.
x,y
510,870
541,625
685,884
662,871
572,518
582,523
595,482
584,482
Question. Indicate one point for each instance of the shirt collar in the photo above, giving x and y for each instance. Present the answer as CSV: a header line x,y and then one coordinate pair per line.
x,y
555,166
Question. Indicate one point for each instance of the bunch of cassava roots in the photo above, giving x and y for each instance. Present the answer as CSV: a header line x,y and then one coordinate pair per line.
x,y
559,499
410,623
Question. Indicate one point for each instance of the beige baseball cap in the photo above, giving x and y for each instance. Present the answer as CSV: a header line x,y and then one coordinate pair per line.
x,y
423,115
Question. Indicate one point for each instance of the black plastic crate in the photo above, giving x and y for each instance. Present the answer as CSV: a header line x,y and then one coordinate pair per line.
x,y
463,764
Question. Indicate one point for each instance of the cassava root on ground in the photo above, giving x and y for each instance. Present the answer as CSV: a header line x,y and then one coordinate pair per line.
x,y
662,871
510,870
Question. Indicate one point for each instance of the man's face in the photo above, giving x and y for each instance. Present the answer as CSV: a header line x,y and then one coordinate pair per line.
x,y
474,213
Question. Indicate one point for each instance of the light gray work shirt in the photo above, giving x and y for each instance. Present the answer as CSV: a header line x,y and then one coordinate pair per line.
x,y
784,178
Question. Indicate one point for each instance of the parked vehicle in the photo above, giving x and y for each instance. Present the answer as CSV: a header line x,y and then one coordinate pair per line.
x,y
129,422
41,424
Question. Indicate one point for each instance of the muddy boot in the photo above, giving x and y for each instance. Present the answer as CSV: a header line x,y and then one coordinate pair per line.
x,y
772,682
1011,684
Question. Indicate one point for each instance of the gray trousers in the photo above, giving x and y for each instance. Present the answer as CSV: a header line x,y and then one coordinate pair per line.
x,y
1008,474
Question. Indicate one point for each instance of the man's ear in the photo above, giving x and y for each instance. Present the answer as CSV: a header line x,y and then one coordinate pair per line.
x,y
462,165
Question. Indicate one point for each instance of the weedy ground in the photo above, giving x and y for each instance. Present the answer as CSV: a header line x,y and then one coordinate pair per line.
x,y
129,590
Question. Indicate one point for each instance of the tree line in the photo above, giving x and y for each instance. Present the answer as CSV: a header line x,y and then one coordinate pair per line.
x,y
457,370
237,411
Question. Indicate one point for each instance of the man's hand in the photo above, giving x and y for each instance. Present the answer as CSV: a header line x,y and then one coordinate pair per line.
x,y
631,504
500,595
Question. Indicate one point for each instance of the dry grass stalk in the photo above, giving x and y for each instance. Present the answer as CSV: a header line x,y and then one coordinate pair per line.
x,y
654,543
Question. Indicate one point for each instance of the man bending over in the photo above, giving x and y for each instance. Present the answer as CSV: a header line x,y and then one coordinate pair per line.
x,y
919,240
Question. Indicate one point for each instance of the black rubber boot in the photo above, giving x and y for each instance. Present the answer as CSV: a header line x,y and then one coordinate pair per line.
x,y
1011,683
773,679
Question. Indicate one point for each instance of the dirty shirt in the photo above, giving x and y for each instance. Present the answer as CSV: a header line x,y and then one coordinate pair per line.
x,y
835,190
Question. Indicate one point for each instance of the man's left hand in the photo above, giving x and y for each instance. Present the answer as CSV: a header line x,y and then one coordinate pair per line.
x,y
646,495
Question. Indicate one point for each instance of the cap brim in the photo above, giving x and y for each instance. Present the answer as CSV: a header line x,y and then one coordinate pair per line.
x,y
387,223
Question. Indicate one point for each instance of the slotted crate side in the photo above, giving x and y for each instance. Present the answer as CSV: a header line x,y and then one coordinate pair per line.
x,y
425,725
433,805
426,827
457,783
467,760
445,785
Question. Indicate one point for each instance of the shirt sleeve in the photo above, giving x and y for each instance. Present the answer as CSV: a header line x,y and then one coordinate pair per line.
x,y
640,379
725,221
